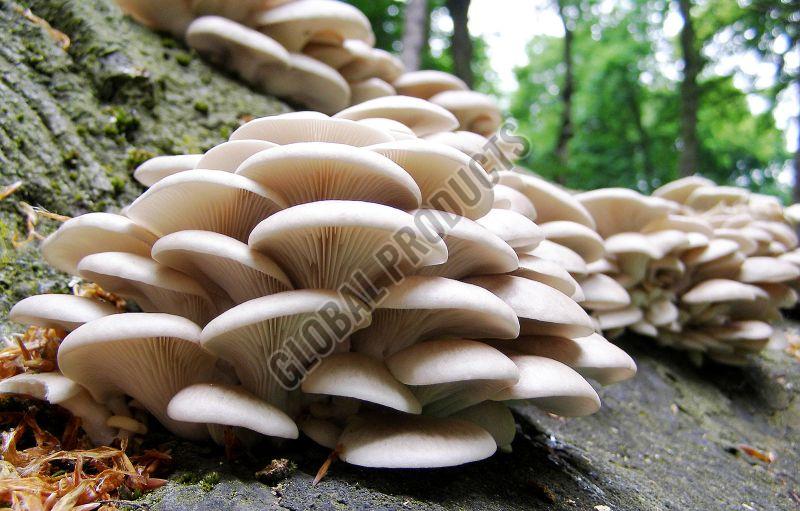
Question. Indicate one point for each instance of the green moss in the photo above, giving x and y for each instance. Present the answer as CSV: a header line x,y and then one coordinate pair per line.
x,y
136,157
201,106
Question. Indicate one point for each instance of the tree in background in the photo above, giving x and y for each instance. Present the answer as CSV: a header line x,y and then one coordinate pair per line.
x,y
416,27
461,44
689,92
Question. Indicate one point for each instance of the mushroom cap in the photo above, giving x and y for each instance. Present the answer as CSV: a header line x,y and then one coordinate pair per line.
x,y
631,243
601,292
234,45
780,232
687,224
370,88
154,287
471,248
207,200
239,11
448,179
619,318
551,202
421,116
506,197
541,309
173,17
552,386
427,83
92,233
398,130
668,242
377,63
148,356
720,290
488,153
566,257
228,264
750,330
321,431
340,55
59,390
298,23
307,82
156,169
792,213
316,171
412,441
290,129
747,245
475,111
767,270
494,417
517,230
706,197
680,189
360,377
420,308
66,312
550,273
448,375
257,336
577,237
662,312
335,239
228,156
591,356
212,403
617,210
716,249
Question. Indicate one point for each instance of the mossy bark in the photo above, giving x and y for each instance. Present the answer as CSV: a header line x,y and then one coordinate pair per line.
x,y
73,125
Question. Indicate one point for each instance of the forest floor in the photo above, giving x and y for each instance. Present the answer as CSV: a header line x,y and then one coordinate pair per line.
x,y
87,95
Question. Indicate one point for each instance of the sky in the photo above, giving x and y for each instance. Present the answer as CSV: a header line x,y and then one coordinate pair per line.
x,y
508,29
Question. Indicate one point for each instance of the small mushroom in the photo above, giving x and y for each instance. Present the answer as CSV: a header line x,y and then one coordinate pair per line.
x,y
428,83
581,239
552,203
422,117
64,312
475,111
156,169
370,88
289,129
307,82
229,155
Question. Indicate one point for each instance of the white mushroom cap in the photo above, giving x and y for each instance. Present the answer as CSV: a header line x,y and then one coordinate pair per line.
x,y
489,153
208,200
541,309
307,82
617,210
421,116
591,356
581,239
232,44
721,290
687,224
767,270
66,312
551,202
475,111
156,169
781,232
552,386
228,156
566,257
792,213
412,441
256,337
519,231
173,17
506,197
601,292
228,264
747,245
398,130
449,375
706,197
495,418
420,308
448,179
315,171
550,273
149,357
301,127
680,189
340,55
154,287
471,248
216,404
717,248
360,377
92,233
355,235
374,63
321,431
60,390
618,318
301,22
427,83
662,312
370,88
240,11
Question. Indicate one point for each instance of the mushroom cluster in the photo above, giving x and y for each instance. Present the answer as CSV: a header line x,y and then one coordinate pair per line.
x,y
318,54
347,277
697,266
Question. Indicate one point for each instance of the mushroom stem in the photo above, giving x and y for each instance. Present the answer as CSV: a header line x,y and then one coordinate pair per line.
x,y
323,470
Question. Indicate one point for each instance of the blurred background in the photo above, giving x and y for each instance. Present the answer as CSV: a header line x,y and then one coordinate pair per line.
x,y
629,93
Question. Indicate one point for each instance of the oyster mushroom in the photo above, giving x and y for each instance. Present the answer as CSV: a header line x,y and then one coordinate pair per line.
x,y
156,169
475,111
423,117
64,312
428,83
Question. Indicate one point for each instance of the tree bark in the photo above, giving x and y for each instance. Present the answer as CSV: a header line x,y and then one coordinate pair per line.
x,y
689,93
461,45
566,131
796,190
415,33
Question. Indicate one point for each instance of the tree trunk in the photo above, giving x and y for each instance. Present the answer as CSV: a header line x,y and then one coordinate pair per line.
x,y
796,194
462,43
689,93
415,33
565,131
